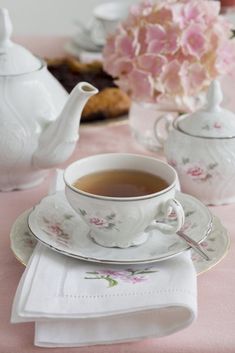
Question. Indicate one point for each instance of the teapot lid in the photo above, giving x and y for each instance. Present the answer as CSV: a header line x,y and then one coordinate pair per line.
x,y
212,120
14,59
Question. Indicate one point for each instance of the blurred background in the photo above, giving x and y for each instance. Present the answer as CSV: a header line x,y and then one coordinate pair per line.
x,y
50,17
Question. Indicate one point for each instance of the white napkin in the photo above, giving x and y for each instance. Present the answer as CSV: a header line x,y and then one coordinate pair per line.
x,y
76,303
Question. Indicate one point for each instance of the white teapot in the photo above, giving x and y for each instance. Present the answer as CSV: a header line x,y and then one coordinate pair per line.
x,y
38,121
201,147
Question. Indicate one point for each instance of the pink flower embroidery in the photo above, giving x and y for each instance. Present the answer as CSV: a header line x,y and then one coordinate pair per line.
x,y
129,276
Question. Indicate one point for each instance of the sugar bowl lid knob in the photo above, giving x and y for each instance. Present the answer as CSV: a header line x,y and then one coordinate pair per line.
x,y
214,97
212,120
5,30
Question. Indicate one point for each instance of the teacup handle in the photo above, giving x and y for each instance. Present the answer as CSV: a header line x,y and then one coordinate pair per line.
x,y
168,207
167,119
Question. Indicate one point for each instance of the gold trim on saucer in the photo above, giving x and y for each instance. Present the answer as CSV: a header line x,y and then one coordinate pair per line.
x,y
21,222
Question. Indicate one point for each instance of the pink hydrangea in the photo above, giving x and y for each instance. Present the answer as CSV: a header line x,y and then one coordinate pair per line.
x,y
169,49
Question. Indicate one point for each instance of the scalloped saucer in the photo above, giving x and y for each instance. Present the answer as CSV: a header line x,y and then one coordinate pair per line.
x,y
216,245
54,223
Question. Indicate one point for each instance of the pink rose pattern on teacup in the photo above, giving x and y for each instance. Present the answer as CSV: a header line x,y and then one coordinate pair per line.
x,y
108,222
113,277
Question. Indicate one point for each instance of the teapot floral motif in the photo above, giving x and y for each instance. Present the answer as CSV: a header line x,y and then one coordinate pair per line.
x,y
201,147
39,122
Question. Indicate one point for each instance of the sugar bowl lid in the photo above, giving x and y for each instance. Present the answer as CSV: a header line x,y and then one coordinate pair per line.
x,y
212,120
14,59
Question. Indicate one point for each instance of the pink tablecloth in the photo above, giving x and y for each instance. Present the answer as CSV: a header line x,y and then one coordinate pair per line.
x,y
213,331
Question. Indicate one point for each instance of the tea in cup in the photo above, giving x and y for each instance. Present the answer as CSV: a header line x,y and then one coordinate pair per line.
x,y
122,196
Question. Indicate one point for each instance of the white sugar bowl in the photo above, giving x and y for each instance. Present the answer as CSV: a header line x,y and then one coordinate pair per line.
x,y
201,147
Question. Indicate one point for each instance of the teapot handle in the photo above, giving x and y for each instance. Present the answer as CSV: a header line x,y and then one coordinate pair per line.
x,y
168,120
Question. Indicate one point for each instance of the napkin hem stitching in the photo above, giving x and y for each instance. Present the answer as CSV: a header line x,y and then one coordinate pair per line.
x,y
168,291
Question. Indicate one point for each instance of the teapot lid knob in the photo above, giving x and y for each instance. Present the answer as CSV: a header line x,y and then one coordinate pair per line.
x,y
214,96
5,30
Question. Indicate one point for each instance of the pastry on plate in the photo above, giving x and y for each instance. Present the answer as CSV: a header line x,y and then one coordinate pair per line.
x,y
111,102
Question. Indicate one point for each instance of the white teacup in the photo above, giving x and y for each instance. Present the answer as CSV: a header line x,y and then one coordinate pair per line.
x,y
124,221
106,19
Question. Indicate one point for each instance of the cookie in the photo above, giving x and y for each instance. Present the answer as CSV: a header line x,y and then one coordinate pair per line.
x,y
111,102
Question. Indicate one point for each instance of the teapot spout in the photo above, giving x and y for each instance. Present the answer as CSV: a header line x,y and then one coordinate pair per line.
x,y
58,140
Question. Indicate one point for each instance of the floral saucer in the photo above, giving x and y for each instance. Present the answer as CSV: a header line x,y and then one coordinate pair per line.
x,y
216,245
54,223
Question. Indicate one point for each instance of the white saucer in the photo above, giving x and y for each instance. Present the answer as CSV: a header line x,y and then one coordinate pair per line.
x,y
54,223
82,40
216,244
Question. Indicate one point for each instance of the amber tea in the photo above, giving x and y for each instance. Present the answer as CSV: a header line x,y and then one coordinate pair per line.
x,y
121,183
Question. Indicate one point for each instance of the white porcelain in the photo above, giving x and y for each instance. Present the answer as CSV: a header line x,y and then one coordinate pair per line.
x,y
39,124
143,118
201,147
216,245
123,222
106,19
54,223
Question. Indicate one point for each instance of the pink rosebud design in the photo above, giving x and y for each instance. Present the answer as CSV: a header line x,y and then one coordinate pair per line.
x,y
196,172
217,125
98,221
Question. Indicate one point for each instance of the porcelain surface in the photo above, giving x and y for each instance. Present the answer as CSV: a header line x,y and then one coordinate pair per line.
x,y
201,148
54,223
39,121
122,221
216,244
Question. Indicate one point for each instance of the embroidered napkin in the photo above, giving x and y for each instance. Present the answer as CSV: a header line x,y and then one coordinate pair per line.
x,y
76,303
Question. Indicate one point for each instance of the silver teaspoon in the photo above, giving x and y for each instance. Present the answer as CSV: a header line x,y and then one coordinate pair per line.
x,y
194,245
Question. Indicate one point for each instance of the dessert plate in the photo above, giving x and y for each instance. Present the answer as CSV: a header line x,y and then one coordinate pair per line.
x,y
54,223
216,244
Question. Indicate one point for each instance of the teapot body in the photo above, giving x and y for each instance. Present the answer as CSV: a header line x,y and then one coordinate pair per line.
x,y
205,166
29,102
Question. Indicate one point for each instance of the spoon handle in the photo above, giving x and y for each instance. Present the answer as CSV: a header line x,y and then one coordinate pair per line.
x,y
194,245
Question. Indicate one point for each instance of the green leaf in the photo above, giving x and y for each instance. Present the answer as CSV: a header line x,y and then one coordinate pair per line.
x,y
212,165
93,273
185,160
82,212
142,272
112,282
68,216
111,216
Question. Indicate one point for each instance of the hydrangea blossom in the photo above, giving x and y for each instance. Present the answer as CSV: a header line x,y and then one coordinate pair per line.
x,y
169,49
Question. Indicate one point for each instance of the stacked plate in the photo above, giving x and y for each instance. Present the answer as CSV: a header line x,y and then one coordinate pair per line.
x,y
54,223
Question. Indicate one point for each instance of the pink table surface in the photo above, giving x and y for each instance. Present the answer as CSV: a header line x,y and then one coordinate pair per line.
x,y
213,331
